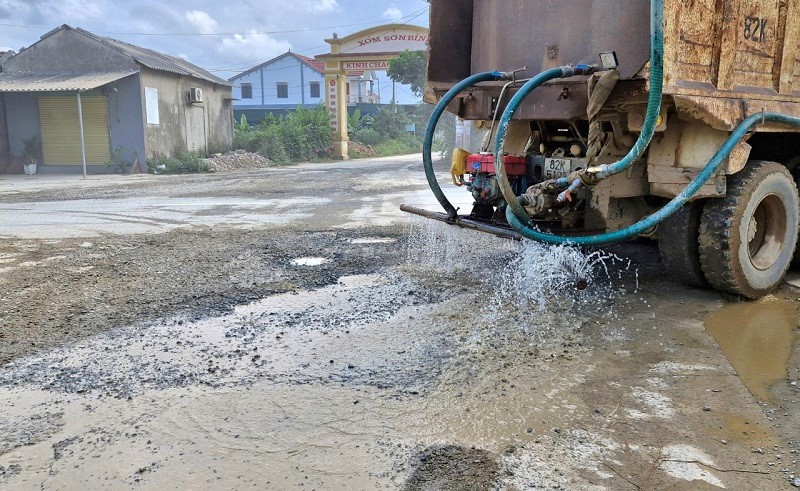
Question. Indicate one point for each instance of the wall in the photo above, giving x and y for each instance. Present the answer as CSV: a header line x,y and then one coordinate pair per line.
x,y
296,74
5,154
22,114
171,134
125,121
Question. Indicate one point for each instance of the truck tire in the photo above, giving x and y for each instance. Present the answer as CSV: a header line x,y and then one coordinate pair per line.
x,y
796,260
679,245
748,238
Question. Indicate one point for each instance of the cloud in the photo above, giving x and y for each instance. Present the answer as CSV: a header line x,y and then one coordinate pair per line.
x,y
317,6
393,13
201,21
246,47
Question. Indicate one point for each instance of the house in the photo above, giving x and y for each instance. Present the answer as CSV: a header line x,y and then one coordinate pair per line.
x,y
136,104
292,80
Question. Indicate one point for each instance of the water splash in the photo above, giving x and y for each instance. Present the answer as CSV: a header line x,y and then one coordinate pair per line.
x,y
544,276
519,276
440,247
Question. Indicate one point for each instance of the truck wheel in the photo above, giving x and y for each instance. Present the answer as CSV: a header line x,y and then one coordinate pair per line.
x,y
679,245
748,238
796,260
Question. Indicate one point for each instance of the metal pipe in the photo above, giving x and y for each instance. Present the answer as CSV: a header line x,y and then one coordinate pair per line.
x,y
83,139
463,223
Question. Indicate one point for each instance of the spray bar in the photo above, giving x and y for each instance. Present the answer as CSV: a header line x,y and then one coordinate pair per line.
x,y
463,222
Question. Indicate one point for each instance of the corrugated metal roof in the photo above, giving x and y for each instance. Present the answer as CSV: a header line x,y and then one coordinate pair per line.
x,y
57,82
159,61
149,58
5,55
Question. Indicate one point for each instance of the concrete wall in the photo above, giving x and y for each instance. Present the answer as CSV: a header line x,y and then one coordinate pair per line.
x,y
125,121
22,114
287,69
69,51
5,151
177,116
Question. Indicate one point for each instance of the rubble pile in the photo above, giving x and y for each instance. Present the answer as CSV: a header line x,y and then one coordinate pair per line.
x,y
361,150
237,160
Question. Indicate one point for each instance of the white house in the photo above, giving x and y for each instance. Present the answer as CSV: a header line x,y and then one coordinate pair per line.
x,y
292,80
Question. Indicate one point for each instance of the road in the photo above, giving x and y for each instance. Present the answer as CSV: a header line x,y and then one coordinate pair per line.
x,y
291,329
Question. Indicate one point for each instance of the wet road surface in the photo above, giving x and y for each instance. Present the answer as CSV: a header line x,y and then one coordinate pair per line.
x,y
290,329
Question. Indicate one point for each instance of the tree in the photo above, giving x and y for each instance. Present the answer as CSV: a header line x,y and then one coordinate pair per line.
x,y
410,68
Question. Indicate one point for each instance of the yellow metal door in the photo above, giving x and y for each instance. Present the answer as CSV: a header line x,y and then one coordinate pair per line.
x,y
61,137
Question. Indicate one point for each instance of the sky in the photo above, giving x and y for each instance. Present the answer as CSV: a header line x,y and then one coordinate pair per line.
x,y
224,37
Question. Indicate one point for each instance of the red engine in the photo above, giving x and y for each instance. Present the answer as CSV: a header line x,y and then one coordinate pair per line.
x,y
483,163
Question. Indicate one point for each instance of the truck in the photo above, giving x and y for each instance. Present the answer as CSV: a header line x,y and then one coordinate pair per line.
x,y
610,120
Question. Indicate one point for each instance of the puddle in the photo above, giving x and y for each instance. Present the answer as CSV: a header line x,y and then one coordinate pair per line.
x,y
738,428
757,339
309,261
374,240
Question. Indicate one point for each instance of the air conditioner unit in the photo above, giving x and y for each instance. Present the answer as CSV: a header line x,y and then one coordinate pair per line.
x,y
195,95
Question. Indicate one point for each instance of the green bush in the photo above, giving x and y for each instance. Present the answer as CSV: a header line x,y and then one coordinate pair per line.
x,y
304,134
399,146
368,136
269,143
246,140
181,163
390,124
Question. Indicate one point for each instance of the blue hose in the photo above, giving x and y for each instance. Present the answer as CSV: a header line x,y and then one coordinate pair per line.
x,y
502,129
515,212
651,221
427,147
654,99
648,128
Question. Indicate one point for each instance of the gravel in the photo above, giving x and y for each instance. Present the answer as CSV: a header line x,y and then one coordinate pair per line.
x,y
237,160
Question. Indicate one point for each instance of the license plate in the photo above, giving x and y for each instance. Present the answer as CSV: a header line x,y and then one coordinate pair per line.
x,y
555,168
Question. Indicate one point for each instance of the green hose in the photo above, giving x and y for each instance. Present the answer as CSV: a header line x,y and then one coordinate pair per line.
x,y
656,93
651,221
515,212
500,168
427,147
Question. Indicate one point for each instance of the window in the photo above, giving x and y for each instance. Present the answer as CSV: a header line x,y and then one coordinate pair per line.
x,y
151,105
315,89
283,90
247,91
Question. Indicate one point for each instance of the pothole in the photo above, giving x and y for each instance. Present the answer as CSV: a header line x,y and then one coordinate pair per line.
x,y
374,240
310,261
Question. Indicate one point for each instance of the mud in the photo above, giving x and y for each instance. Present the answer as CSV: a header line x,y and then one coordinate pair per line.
x,y
354,348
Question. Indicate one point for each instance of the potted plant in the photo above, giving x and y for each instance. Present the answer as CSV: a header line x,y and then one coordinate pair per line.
x,y
31,156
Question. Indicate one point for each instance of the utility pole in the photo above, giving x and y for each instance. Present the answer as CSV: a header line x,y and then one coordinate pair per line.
x,y
394,96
